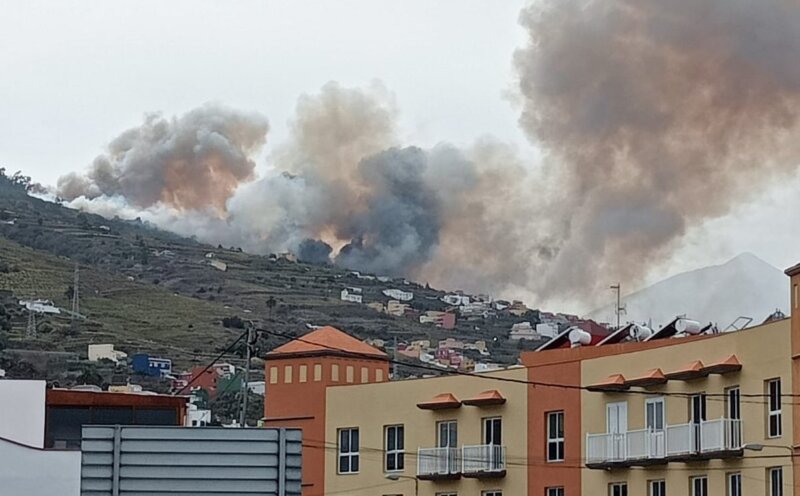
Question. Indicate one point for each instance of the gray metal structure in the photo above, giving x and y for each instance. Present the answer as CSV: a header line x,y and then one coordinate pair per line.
x,y
183,461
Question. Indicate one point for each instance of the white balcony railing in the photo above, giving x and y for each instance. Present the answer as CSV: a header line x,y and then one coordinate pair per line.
x,y
433,462
709,436
485,458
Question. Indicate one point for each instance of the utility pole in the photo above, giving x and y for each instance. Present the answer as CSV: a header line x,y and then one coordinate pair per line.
x,y
76,305
245,385
619,309
30,331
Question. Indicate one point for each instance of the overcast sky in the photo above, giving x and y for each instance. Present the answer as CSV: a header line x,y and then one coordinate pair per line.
x,y
75,74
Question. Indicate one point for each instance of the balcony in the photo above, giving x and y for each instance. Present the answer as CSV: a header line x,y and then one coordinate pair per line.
x,y
720,438
484,461
438,463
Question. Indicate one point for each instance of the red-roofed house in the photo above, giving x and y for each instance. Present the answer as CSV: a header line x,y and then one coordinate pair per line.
x,y
297,375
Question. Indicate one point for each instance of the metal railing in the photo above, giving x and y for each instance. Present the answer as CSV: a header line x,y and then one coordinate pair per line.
x,y
708,436
438,461
484,458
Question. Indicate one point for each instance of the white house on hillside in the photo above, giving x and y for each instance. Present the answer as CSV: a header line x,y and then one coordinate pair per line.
x,y
99,352
399,294
352,295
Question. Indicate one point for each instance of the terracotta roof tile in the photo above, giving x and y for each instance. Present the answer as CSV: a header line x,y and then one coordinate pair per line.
x,y
694,370
492,397
650,378
615,382
440,402
730,364
327,340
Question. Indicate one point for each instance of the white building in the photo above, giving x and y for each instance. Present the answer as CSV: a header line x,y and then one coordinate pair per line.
x,y
456,299
257,387
399,294
547,329
352,295
523,330
40,306
99,352
477,308
197,417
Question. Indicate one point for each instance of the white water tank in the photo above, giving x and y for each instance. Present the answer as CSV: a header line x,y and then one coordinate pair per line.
x,y
639,332
579,337
687,326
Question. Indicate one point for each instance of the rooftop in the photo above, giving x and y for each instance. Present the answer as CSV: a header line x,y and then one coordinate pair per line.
x,y
326,341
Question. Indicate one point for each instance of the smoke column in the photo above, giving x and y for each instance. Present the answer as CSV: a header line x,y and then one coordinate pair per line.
x,y
651,117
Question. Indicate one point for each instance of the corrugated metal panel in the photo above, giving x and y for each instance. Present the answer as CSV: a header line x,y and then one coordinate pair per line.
x,y
182,461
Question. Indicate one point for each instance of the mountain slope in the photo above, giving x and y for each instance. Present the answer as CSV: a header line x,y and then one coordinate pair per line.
x,y
744,286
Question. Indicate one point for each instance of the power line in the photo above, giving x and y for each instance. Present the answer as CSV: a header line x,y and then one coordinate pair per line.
x,y
711,396
208,367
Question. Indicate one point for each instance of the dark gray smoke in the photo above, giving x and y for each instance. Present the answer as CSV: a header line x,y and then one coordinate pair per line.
x,y
400,225
195,161
314,251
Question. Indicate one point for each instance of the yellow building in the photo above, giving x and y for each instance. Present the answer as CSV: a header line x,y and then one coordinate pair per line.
x,y
696,416
452,435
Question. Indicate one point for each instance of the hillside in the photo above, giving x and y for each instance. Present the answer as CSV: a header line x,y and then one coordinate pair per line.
x,y
744,286
148,290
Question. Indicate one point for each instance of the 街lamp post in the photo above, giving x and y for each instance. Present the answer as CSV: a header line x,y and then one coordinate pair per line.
x,y
397,477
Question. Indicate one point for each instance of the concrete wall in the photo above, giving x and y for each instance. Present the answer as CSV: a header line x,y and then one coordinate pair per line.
x,y
22,411
374,406
34,472
764,352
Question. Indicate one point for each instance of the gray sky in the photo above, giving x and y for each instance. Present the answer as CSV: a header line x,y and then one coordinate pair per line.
x,y
75,74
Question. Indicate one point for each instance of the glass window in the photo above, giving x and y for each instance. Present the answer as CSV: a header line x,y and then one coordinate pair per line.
x,y
364,375
618,489
64,426
775,481
395,448
348,451
493,431
735,484
774,420
554,491
155,416
350,374
447,434
555,437
273,375
287,374
378,375
699,485
657,488
334,373
492,493
112,415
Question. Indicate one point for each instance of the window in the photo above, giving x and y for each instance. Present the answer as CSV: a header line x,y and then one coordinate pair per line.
x,y
273,375
492,493
364,375
555,437
493,431
654,414
554,491
350,374
302,373
734,484
317,372
378,375
287,374
697,413
775,481
446,494
618,489
395,448
657,488
447,434
774,428
348,451
699,485
335,373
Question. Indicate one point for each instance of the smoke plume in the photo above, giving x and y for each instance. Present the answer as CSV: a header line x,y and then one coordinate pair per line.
x,y
192,162
650,116
654,116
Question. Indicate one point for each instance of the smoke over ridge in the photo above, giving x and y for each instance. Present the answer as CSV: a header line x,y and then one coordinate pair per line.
x,y
651,116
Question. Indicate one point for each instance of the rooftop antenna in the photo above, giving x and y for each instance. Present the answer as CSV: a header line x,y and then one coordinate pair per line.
x,y
619,308
30,331
76,306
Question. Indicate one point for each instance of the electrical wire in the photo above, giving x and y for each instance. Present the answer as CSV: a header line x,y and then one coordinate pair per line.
x,y
211,364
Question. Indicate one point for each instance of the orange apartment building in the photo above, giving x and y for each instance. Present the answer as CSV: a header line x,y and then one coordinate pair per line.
x,y
676,411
